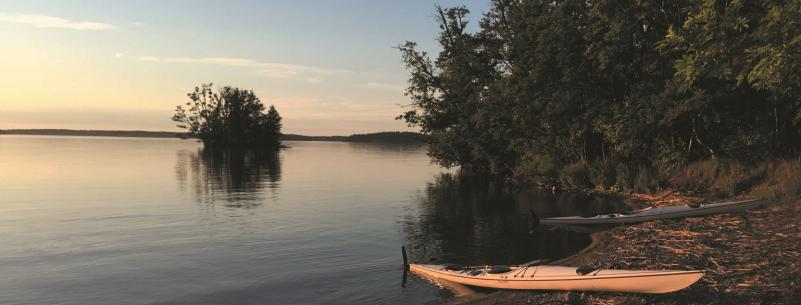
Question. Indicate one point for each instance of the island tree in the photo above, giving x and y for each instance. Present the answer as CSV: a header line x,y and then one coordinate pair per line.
x,y
230,117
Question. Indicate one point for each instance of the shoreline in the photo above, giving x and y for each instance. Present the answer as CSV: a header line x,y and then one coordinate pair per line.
x,y
750,257
390,137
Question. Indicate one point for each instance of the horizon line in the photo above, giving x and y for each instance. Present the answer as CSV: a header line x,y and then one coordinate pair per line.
x,y
182,132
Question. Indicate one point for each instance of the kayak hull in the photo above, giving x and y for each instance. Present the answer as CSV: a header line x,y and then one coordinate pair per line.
x,y
566,278
656,213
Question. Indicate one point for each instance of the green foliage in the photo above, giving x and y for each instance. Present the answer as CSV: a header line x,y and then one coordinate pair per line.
x,y
231,117
575,176
269,129
654,85
647,180
625,176
539,166
602,173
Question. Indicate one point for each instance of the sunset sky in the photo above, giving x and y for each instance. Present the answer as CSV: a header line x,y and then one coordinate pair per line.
x,y
329,67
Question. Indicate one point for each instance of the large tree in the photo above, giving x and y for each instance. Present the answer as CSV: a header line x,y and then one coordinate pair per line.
x,y
653,83
230,117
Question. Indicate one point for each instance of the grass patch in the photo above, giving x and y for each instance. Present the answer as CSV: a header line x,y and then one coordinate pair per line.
x,y
782,183
778,181
720,178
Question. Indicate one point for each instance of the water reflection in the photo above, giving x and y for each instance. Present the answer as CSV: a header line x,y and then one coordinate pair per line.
x,y
370,147
242,178
469,220
548,204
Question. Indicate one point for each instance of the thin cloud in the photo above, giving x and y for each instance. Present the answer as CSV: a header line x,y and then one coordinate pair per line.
x,y
43,21
382,86
268,69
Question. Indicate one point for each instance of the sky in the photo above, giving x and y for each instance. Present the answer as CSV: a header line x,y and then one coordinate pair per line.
x,y
329,67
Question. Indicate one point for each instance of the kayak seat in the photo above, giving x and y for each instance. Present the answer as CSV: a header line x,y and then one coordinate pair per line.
x,y
453,267
584,270
475,272
694,205
499,269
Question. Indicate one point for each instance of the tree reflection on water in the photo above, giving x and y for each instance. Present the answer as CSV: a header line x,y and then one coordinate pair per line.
x,y
240,178
469,220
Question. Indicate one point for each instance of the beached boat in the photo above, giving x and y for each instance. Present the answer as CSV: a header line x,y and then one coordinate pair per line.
x,y
546,277
654,213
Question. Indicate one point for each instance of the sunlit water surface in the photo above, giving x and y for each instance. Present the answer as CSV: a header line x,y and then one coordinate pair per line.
x,y
90,220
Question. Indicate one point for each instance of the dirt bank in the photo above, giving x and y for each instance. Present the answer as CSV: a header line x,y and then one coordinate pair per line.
x,y
749,258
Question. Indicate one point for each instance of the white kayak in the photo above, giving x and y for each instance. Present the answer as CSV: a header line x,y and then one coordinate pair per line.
x,y
655,213
546,277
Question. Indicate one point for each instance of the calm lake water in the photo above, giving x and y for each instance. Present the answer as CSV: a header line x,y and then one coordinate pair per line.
x,y
89,220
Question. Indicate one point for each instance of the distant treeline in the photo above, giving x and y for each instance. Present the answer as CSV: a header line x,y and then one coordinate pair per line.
x,y
623,89
384,137
95,133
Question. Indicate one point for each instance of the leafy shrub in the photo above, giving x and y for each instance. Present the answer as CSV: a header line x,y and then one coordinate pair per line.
x,y
771,193
733,177
602,173
787,178
542,166
647,181
575,175
669,159
624,176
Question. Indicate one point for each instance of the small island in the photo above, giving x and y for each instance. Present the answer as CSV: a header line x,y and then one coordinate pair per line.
x,y
230,117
